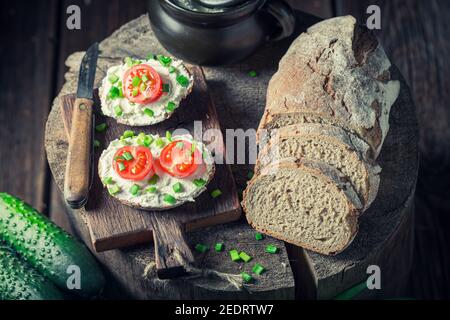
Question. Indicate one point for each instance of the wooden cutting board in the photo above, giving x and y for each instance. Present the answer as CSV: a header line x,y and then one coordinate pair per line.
x,y
113,225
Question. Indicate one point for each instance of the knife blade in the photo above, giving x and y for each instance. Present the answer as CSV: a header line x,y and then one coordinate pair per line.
x,y
78,165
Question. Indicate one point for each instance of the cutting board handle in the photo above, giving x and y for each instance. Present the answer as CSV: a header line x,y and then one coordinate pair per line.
x,y
172,252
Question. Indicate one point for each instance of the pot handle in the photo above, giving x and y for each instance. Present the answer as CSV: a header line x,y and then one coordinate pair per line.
x,y
284,14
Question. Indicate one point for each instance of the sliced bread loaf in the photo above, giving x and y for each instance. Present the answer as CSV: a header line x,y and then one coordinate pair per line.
x,y
335,73
307,203
332,145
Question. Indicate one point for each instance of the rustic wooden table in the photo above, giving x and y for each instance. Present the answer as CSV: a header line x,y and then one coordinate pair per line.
x,y
37,42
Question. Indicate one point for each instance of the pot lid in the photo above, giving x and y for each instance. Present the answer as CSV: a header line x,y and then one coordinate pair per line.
x,y
220,4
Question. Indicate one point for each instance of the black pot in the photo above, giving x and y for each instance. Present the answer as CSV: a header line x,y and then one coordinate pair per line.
x,y
219,38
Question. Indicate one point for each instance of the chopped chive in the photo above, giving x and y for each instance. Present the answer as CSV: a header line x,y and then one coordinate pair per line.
x,y
128,134
134,190
259,236
118,110
151,189
199,182
113,189
258,269
193,147
218,247
136,81
165,61
169,136
250,175
117,158
182,80
160,143
108,180
169,199
235,255
149,112
113,78
204,154
121,166
151,56
101,127
244,256
246,277
135,92
166,87
96,143
144,78
177,187
144,140
180,145
271,248
120,92
127,156
215,193
172,69
171,106
153,180
201,248
252,74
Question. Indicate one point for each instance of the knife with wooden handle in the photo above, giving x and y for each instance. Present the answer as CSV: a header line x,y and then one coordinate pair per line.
x,y
78,165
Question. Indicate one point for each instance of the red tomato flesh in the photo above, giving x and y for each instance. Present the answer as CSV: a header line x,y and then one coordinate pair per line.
x,y
147,90
178,160
138,167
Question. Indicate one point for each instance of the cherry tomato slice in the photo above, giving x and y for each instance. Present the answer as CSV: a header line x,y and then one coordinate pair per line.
x,y
178,160
142,84
133,163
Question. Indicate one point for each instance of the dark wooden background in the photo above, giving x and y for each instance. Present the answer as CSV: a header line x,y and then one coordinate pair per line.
x,y
35,42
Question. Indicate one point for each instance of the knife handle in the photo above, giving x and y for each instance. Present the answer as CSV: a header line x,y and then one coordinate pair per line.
x,y
76,183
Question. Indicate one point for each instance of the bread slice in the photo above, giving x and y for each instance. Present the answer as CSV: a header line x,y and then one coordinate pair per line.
x,y
332,145
308,204
336,73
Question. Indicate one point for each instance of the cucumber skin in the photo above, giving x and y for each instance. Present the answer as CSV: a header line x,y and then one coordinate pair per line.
x,y
19,281
47,247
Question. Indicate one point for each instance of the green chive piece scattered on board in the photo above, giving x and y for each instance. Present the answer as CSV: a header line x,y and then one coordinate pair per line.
x,y
169,199
153,180
235,255
218,247
201,248
244,256
259,236
96,143
177,187
101,127
246,277
216,193
271,248
169,136
134,190
250,175
252,73
149,112
114,189
258,269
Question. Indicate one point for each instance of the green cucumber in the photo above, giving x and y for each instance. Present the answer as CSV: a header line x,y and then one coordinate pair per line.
x,y
48,248
19,281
